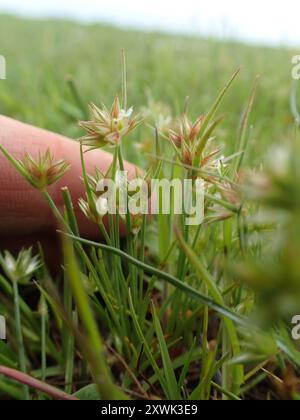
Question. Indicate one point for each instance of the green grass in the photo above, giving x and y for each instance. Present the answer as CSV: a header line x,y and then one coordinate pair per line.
x,y
41,54
172,312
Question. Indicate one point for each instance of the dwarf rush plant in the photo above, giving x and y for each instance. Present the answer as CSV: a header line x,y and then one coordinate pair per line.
x,y
169,311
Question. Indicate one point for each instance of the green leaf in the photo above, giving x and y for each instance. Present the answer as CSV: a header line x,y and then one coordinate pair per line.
x,y
187,363
217,103
7,356
169,373
97,360
206,136
204,275
243,135
88,393
189,290
247,359
146,345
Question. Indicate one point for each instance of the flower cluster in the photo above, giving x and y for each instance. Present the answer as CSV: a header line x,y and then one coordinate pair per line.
x,y
109,195
185,136
193,142
40,173
191,138
89,206
20,269
107,128
43,172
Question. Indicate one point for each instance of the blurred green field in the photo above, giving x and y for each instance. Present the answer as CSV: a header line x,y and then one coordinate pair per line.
x,y
244,257
40,54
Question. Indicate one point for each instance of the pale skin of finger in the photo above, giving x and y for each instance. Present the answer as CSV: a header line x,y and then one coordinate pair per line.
x,y
23,210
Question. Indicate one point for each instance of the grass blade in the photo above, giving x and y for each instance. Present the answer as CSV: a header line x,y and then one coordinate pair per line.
x,y
169,373
100,370
217,103
145,344
168,278
244,126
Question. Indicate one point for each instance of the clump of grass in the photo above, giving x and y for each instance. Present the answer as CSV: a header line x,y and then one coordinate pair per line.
x,y
165,315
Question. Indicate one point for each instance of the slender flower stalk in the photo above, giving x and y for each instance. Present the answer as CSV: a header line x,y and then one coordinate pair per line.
x,y
19,271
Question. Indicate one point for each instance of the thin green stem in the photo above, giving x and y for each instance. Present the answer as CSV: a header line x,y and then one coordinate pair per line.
x,y
124,81
44,316
19,337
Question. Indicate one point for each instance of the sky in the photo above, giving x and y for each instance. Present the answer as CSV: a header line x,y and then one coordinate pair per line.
x,y
262,21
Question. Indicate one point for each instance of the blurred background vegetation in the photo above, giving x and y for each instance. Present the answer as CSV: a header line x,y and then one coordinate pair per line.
x,y
41,54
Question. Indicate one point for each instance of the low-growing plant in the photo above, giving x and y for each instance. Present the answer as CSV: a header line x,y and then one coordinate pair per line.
x,y
174,311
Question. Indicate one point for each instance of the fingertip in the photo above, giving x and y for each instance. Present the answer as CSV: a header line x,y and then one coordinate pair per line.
x,y
23,209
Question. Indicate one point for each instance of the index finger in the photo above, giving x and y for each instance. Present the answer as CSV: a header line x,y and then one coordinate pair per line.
x,y
23,210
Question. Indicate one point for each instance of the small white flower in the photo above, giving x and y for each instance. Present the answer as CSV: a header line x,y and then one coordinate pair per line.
x,y
125,113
